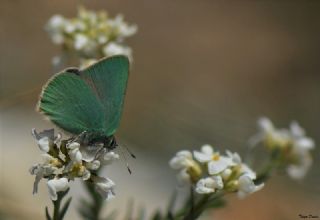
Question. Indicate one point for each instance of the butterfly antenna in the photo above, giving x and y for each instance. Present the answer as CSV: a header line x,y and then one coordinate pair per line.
x,y
130,152
124,159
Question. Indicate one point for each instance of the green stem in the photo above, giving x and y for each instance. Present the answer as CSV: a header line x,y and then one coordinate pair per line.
x,y
203,204
198,208
58,214
91,209
56,208
272,165
265,173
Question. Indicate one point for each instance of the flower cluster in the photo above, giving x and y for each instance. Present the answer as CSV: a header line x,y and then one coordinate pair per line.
x,y
91,35
291,146
65,160
209,172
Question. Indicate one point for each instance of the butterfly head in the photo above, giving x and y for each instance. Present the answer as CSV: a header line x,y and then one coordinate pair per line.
x,y
110,142
94,138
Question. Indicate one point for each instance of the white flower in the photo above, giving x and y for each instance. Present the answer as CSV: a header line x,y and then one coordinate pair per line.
x,y
301,142
47,168
216,162
86,175
56,21
74,152
40,170
181,160
56,61
245,170
242,167
55,27
302,164
116,49
108,157
94,165
124,29
246,186
189,170
127,31
69,27
234,156
91,34
45,139
295,147
209,184
300,152
183,177
72,159
80,25
104,186
44,144
226,174
102,39
265,124
271,136
81,41
57,185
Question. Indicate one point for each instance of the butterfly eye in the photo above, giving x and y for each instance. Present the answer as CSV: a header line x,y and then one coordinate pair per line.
x,y
114,142
110,143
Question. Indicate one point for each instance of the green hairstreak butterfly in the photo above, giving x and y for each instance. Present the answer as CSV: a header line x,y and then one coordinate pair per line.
x,y
88,100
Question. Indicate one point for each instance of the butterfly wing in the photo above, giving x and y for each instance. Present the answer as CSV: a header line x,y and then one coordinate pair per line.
x,y
108,79
71,104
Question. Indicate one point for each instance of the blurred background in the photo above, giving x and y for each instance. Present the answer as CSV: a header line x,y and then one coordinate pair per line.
x,y
203,72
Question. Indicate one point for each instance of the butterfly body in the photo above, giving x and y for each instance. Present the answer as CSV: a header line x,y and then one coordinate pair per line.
x,y
89,100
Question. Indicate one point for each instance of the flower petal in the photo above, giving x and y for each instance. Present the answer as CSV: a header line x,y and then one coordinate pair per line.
x,y
265,124
234,156
180,161
304,143
75,155
104,187
247,186
94,165
205,186
297,130
44,139
57,185
215,167
109,157
38,171
201,157
183,177
299,170
207,149
245,170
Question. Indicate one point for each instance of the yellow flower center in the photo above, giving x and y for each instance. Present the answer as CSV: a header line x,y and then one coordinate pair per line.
x,y
216,156
55,162
78,169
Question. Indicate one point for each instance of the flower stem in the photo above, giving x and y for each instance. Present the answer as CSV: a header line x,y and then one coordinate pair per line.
x,y
91,209
197,208
273,163
59,213
56,208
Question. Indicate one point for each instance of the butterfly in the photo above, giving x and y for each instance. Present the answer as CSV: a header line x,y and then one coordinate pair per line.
x,y
88,101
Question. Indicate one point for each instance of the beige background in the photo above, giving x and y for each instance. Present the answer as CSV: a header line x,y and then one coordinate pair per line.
x,y
204,71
